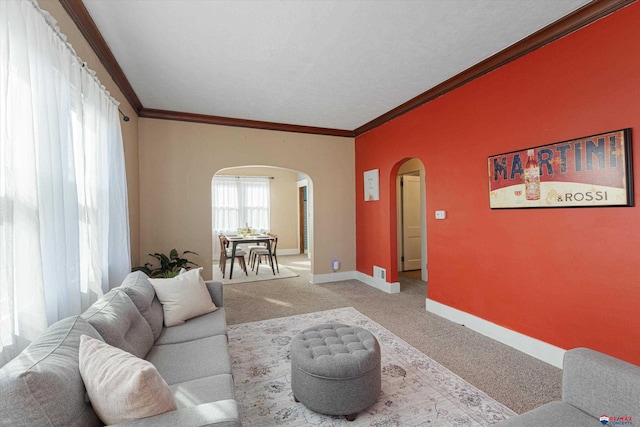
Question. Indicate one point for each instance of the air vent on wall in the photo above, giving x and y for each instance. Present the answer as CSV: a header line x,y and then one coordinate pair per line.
x,y
379,272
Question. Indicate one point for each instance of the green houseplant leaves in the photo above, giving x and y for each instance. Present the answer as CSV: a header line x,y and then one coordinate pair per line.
x,y
170,265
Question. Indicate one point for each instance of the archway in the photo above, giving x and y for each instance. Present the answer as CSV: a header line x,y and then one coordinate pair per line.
x,y
284,207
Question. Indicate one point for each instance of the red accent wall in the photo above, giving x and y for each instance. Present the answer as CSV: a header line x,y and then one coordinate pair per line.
x,y
566,276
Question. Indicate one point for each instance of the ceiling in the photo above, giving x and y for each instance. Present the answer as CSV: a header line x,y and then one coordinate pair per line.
x,y
336,65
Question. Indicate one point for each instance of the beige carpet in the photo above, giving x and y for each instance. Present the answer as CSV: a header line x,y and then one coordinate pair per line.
x,y
264,273
513,378
416,390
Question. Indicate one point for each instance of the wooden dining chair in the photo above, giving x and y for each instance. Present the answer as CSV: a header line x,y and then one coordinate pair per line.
x,y
259,246
258,252
252,255
225,254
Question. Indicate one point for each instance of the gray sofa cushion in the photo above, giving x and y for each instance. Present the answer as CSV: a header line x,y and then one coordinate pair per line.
x,y
120,323
42,386
593,384
617,383
139,289
215,290
223,413
204,326
191,360
203,390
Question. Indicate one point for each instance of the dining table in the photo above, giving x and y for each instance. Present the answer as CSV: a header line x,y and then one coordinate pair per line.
x,y
236,239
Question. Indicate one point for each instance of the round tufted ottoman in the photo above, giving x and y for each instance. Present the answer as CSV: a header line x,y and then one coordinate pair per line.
x,y
335,369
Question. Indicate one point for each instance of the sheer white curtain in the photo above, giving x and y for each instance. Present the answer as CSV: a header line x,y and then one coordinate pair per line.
x,y
64,232
239,201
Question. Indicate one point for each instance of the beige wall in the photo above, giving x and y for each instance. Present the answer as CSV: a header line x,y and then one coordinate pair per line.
x,y
284,202
170,165
179,159
129,129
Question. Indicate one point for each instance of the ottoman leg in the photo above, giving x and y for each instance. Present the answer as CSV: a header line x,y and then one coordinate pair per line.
x,y
351,417
296,399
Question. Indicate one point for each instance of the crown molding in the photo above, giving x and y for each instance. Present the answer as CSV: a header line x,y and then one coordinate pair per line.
x,y
87,26
584,16
580,18
253,124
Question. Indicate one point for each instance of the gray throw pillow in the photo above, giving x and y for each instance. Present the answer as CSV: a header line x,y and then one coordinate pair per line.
x,y
139,289
43,386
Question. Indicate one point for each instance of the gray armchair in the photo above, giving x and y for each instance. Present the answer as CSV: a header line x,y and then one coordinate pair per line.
x,y
594,385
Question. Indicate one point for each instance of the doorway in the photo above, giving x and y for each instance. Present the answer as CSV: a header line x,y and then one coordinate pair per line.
x,y
303,219
282,204
411,214
411,227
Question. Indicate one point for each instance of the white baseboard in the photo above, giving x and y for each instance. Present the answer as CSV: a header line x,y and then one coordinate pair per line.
x,y
293,251
533,347
390,288
331,277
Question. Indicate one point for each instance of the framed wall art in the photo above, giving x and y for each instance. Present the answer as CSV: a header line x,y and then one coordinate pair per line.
x,y
371,185
589,171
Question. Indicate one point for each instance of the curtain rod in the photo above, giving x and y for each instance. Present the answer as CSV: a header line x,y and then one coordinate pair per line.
x,y
124,116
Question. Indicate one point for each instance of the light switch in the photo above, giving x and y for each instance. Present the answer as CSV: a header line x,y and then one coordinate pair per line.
x,y
441,214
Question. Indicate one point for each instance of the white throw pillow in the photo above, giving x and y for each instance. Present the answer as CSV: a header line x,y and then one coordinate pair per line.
x,y
121,386
183,297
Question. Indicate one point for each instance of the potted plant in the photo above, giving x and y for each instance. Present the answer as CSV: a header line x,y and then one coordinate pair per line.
x,y
170,265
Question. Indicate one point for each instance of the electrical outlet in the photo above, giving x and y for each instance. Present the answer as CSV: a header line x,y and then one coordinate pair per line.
x,y
441,214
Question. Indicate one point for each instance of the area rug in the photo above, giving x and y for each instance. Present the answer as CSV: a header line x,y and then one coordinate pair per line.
x,y
416,391
264,273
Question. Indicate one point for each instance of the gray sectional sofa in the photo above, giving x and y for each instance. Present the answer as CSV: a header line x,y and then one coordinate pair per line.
x,y
597,390
43,385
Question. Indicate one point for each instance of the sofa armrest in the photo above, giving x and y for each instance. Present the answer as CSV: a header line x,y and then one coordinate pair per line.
x,y
600,384
215,289
223,413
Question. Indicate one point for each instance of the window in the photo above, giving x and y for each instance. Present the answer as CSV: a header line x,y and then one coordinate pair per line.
x,y
240,201
64,232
